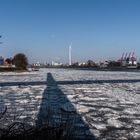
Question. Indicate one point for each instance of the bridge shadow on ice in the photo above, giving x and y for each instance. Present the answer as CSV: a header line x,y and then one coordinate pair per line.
x,y
57,111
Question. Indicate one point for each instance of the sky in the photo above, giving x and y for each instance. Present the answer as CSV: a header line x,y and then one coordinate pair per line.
x,y
44,29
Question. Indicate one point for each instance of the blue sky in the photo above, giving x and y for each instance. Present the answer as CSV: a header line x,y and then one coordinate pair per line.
x,y
44,29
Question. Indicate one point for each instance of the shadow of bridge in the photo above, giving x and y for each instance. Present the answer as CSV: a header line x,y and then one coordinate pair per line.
x,y
57,111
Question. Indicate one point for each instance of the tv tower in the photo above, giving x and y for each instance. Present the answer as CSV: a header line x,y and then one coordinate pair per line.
x,y
70,55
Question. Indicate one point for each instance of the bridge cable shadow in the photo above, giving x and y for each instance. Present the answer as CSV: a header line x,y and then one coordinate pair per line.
x,y
33,83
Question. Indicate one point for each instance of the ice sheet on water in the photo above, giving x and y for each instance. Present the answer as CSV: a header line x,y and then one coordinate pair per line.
x,y
114,122
114,105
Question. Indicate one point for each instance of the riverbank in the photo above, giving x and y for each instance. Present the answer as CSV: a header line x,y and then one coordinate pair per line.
x,y
11,69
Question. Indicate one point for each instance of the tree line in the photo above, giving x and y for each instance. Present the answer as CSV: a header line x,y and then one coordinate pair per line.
x,y
19,60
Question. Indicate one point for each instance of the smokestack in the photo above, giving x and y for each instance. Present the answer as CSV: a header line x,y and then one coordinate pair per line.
x,y
69,55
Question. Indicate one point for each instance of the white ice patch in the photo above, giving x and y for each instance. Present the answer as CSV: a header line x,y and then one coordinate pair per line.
x,y
22,117
23,101
130,111
136,121
95,132
135,135
93,91
99,126
114,122
38,97
83,109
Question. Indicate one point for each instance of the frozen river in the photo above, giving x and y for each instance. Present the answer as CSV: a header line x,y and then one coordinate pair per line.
x,y
106,105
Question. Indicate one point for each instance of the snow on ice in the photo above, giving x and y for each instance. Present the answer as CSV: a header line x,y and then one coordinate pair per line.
x,y
110,110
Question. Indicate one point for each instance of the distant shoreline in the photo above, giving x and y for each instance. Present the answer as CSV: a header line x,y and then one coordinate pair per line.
x,y
100,69
119,69
11,69
111,69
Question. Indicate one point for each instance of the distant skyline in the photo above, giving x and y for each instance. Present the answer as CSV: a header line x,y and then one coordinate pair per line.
x,y
44,29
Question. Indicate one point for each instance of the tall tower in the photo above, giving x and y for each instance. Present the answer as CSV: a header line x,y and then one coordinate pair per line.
x,y
69,55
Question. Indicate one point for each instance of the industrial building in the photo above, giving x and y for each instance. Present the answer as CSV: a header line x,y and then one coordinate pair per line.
x,y
129,61
54,63
6,62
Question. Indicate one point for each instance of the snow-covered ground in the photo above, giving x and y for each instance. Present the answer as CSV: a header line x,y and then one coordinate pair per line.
x,y
110,110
